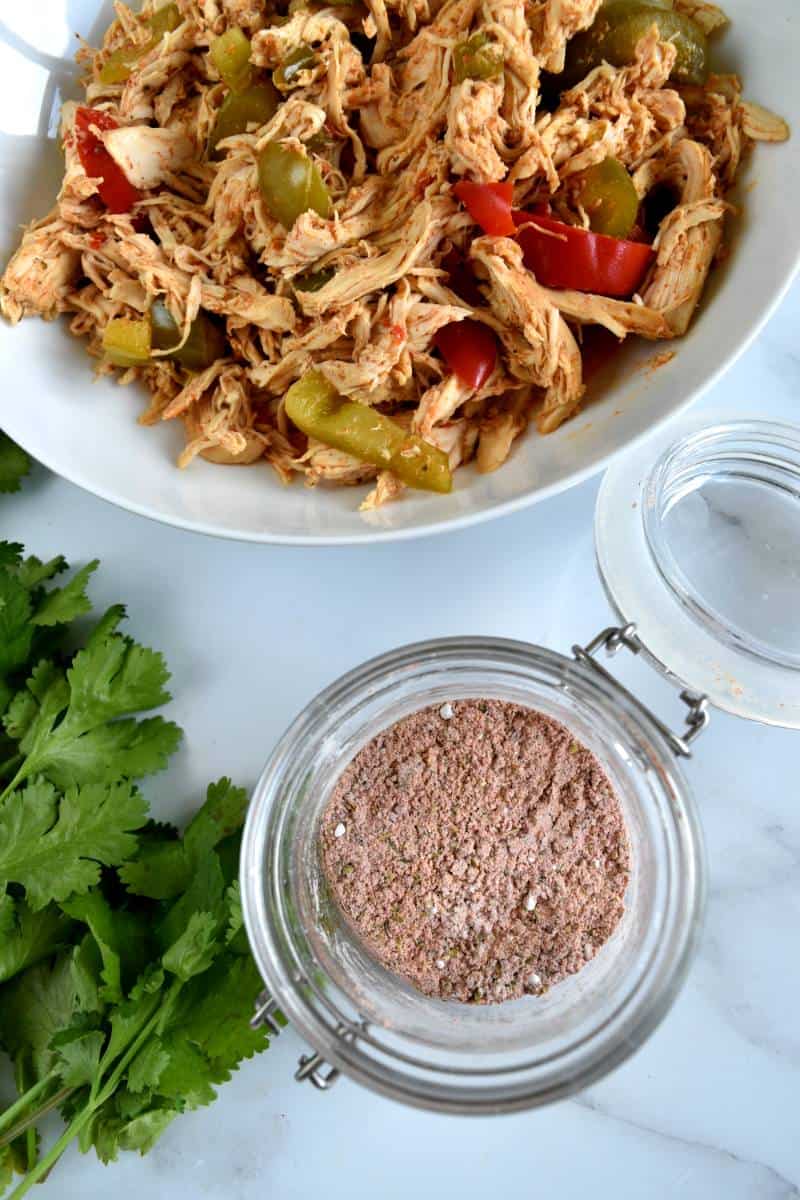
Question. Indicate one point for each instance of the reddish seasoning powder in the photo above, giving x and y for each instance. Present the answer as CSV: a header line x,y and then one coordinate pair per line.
x,y
478,850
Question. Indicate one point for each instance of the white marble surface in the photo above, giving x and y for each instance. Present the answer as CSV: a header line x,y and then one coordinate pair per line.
x,y
708,1108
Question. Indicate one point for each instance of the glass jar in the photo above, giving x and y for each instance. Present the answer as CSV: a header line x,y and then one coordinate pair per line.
x,y
697,535
369,1023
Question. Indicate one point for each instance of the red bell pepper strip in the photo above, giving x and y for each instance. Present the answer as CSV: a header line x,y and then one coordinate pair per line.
x,y
118,195
469,349
489,205
565,256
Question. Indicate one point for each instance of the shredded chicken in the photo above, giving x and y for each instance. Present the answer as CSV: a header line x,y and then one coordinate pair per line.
x,y
385,110
554,22
709,17
540,346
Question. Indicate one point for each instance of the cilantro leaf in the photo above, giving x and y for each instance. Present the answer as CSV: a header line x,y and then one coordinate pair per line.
x,y
141,1133
66,724
188,1076
124,749
235,934
222,814
205,894
123,939
16,631
77,1055
86,966
129,1018
67,735
131,1104
32,572
14,464
114,980
208,1034
109,1132
193,951
136,1003
64,604
214,1012
148,1066
54,850
26,937
37,706
11,553
161,871
7,917
112,677
34,1007
164,867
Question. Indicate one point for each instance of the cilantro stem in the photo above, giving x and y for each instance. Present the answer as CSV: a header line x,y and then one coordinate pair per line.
x,y
53,1154
31,1148
10,763
103,1065
34,1117
9,1117
73,1129
18,778
134,1048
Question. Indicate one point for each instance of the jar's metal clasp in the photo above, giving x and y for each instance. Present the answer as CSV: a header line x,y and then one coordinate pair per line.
x,y
625,637
309,1066
265,1013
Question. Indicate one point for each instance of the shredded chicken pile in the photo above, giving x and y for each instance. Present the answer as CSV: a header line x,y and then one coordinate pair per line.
x,y
391,131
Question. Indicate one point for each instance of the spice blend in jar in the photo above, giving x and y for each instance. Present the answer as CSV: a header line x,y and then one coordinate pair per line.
x,y
478,850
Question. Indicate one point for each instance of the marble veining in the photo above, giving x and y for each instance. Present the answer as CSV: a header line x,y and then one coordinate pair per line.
x,y
761,1176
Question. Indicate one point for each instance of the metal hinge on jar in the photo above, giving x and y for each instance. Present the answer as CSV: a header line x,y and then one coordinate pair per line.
x,y
625,637
309,1066
266,1013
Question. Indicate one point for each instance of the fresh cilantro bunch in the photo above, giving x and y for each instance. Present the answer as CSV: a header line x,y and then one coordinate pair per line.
x,y
125,981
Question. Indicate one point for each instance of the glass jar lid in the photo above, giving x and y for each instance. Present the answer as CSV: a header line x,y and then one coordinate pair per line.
x,y
697,534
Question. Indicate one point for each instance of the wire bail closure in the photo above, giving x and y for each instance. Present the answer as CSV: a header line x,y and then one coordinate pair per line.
x,y
309,1067
616,638
265,1013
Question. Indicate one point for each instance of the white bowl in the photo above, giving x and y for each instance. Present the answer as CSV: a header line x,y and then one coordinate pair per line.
x,y
87,431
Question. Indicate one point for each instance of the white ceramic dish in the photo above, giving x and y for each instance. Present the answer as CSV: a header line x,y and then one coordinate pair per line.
x,y
87,431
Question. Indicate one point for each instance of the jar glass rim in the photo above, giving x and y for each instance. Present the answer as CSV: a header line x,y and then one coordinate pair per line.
x,y
602,1048
765,451
738,536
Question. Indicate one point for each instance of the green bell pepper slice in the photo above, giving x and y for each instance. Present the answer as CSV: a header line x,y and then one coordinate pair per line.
x,y
607,195
291,184
301,58
127,341
256,105
203,347
616,31
312,281
120,63
477,58
314,406
230,54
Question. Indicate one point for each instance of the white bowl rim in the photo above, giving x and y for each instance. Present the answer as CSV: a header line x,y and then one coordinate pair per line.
x,y
524,488
445,525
